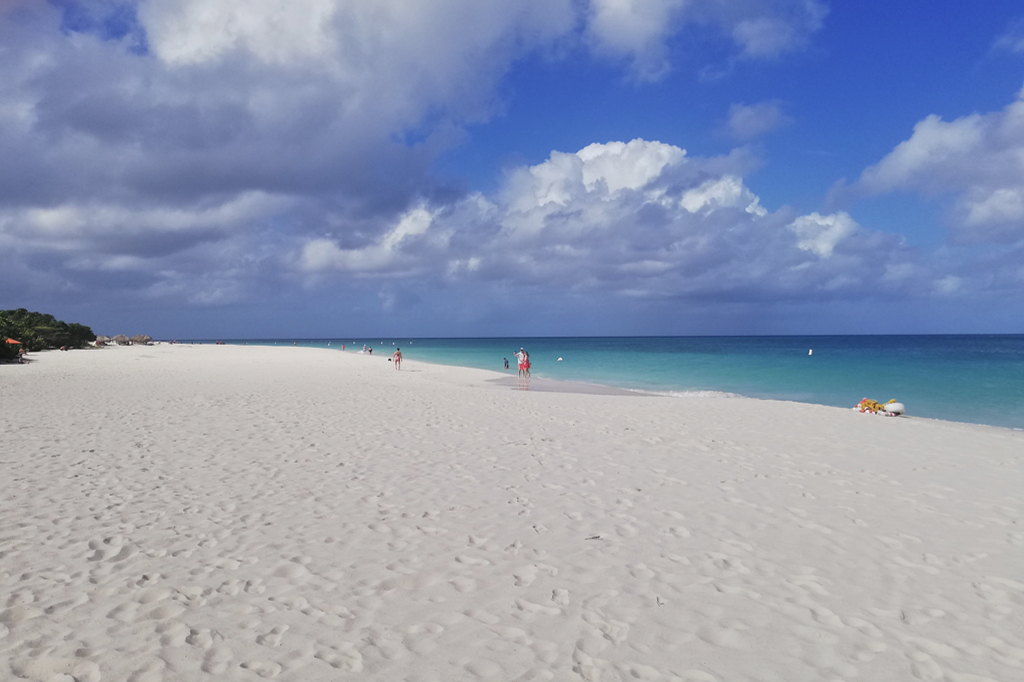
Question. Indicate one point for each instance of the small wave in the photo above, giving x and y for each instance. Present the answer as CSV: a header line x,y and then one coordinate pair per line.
x,y
691,394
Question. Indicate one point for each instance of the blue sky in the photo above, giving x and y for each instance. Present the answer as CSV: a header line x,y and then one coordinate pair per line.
x,y
560,167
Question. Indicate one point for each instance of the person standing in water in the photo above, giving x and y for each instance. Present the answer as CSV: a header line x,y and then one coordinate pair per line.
x,y
397,357
524,363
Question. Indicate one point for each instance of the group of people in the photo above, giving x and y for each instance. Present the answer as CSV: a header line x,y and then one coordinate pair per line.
x,y
524,362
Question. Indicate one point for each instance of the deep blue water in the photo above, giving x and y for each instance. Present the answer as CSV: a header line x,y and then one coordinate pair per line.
x,y
968,378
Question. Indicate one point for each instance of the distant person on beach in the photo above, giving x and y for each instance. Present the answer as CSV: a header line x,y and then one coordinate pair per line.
x,y
398,358
524,362
506,363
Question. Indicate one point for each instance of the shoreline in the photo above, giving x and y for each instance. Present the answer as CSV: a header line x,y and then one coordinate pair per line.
x,y
220,512
552,385
966,379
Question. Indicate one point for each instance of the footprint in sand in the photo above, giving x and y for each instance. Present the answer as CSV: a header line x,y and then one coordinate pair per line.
x,y
535,675
463,584
52,668
264,669
615,631
342,657
230,588
173,634
484,617
255,586
584,663
531,608
202,638
525,576
106,547
272,638
152,672
421,639
217,660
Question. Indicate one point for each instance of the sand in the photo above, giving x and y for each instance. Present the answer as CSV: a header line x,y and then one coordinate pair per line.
x,y
245,513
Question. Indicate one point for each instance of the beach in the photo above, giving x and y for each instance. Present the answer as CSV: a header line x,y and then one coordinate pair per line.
x,y
201,512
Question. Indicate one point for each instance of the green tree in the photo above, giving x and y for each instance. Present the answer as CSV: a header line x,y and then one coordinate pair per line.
x,y
40,331
7,330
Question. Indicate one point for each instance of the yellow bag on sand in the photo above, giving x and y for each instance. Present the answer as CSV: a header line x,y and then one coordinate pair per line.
x,y
868,405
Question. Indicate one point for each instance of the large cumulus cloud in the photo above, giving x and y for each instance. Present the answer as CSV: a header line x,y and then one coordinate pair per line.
x,y
186,150
637,219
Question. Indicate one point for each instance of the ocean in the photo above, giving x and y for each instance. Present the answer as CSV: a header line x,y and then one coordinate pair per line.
x,y
968,378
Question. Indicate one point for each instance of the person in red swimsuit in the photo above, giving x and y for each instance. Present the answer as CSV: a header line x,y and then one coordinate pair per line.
x,y
524,363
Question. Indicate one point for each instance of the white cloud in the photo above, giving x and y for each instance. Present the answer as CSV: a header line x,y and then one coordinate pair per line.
x,y
749,121
727,191
597,168
629,165
187,32
636,29
1013,39
639,30
820,234
639,220
778,28
978,159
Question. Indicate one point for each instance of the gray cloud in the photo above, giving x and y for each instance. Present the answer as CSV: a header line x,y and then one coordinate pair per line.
x,y
149,141
186,154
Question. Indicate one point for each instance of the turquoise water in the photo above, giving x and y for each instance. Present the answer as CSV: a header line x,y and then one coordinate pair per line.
x,y
969,378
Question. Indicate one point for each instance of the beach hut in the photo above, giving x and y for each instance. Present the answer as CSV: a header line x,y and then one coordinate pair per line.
x,y
142,340
122,340
102,340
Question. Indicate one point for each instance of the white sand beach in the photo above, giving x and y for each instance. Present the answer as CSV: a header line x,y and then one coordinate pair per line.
x,y
246,513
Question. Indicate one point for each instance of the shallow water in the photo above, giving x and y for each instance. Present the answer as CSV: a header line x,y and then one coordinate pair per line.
x,y
969,378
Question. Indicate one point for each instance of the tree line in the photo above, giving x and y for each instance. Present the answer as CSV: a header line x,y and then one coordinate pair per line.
x,y
39,331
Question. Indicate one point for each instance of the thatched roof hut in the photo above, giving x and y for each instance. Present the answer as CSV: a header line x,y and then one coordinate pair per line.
x,y
142,340
122,340
102,340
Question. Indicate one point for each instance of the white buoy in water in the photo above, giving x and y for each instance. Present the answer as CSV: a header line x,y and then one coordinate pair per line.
x,y
558,360
810,351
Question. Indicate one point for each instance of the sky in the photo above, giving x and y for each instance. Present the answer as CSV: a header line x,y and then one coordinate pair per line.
x,y
343,168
